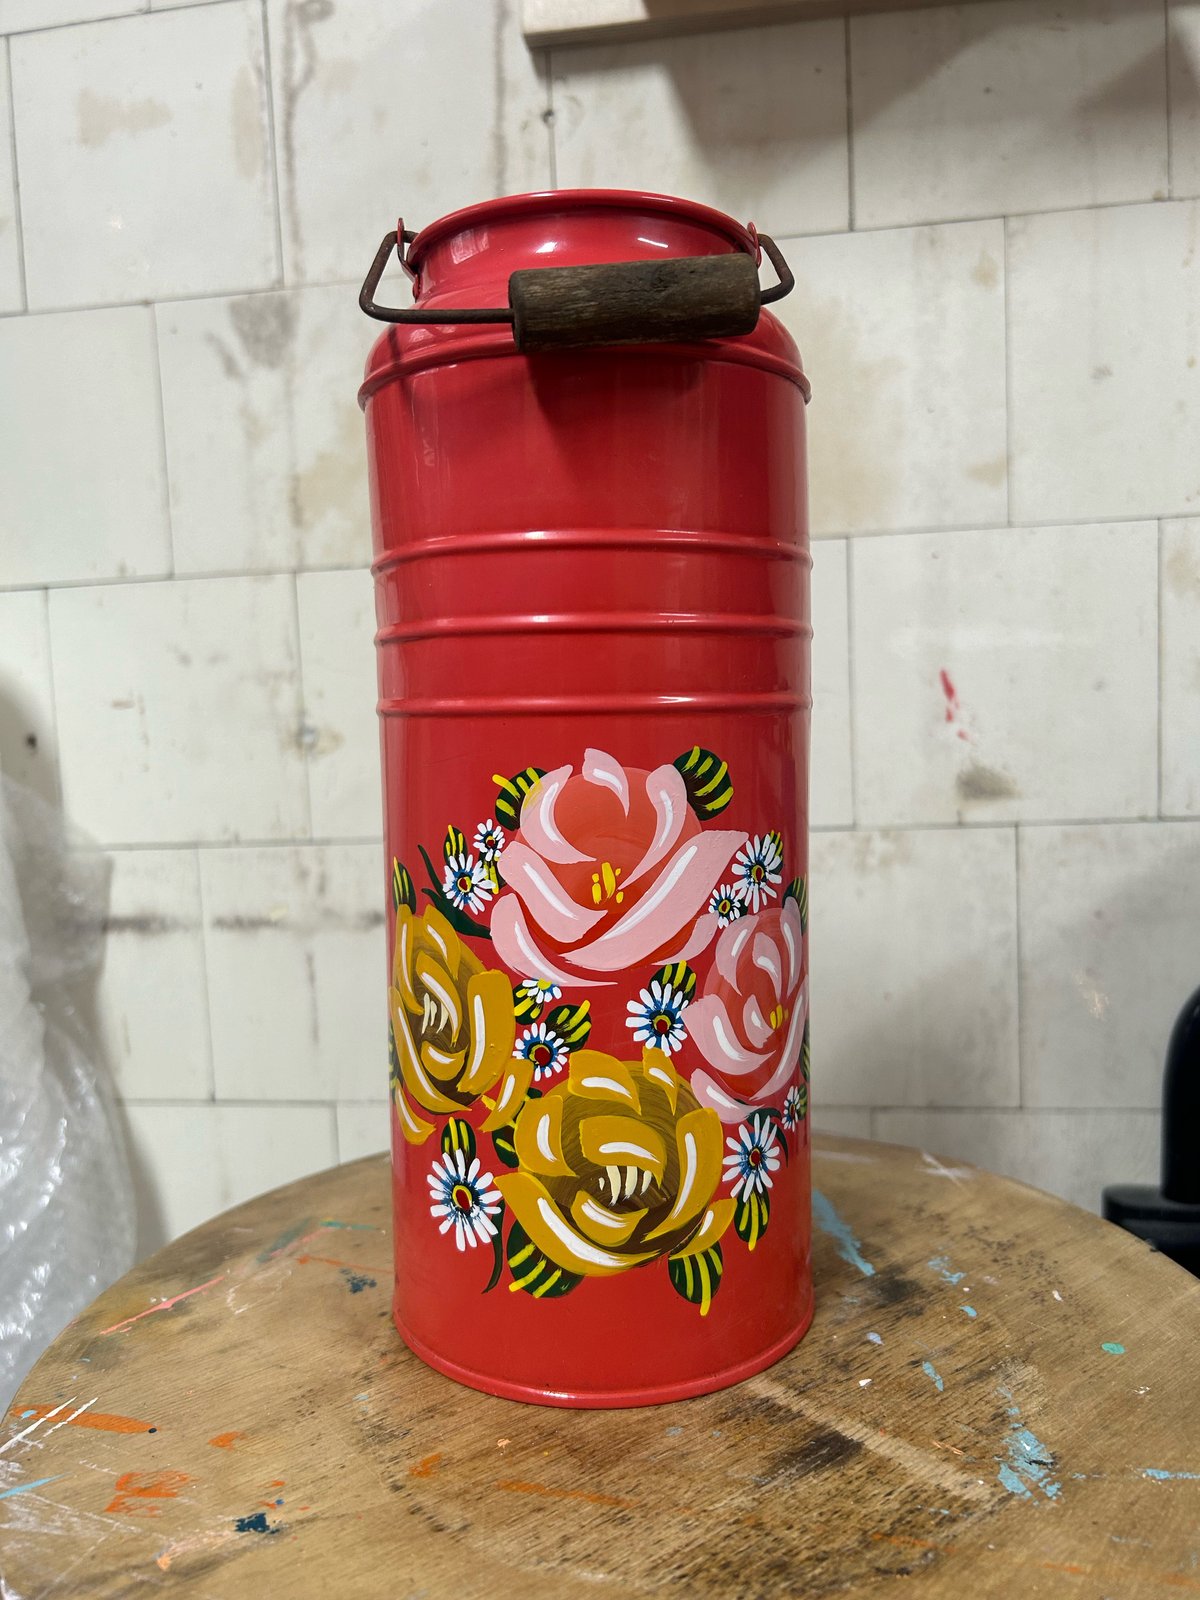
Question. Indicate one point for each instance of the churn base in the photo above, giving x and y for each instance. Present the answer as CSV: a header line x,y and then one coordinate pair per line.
x,y
618,1399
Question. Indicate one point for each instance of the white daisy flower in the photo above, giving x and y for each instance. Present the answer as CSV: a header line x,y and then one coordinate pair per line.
x,y
726,902
656,1017
462,1198
793,1107
753,1157
489,840
757,870
545,1048
467,883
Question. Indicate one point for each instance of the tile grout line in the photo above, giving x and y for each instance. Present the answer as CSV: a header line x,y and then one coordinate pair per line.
x,y
851,684
302,723
851,221
18,227
272,147
208,1027
1008,382
162,442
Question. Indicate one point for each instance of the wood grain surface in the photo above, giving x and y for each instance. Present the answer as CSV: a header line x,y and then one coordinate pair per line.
x,y
998,1397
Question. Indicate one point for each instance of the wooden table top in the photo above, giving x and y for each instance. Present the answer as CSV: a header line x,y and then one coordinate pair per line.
x,y
998,1396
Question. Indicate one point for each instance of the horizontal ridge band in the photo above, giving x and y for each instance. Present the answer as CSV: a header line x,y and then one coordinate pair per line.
x,y
593,539
551,705
593,622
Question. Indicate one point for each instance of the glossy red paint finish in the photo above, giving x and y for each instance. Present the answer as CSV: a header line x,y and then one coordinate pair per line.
x,y
601,551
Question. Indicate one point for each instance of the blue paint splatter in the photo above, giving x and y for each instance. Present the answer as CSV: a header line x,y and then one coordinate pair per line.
x,y
356,1282
24,1488
358,1227
671,1432
829,1222
941,1264
1161,1475
930,1371
875,1338
1029,1462
287,1237
970,1310
1113,1349
254,1524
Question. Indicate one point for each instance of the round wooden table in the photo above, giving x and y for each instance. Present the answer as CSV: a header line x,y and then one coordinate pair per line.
x,y
998,1397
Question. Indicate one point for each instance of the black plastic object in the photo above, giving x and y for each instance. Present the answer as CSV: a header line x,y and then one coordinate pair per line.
x,y
1169,1218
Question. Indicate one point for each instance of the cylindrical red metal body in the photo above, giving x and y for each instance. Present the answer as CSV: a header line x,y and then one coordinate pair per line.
x,y
592,592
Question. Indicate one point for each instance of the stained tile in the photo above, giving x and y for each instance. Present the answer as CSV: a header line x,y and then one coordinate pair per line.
x,y
1104,349
265,441
144,157
1006,676
358,82
754,124
297,970
152,1004
853,1121
986,109
1180,621
1110,950
363,1128
914,965
11,298
27,737
98,511
337,627
1072,1154
19,16
179,710
831,802
902,334
192,1161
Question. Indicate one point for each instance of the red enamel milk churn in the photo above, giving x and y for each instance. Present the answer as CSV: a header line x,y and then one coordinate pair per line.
x,y
588,498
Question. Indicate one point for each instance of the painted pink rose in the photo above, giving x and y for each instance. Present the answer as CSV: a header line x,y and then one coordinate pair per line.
x,y
609,869
749,1022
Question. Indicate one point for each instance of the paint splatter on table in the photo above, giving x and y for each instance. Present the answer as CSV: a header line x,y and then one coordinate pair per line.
x,y
238,1417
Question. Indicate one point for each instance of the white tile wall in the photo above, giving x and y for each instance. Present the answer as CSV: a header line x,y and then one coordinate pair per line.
x,y
296,971
978,110
902,334
179,710
914,968
153,1001
11,296
215,730
81,460
1007,676
1110,950
1181,669
337,625
265,441
1104,340
148,137
27,742
755,125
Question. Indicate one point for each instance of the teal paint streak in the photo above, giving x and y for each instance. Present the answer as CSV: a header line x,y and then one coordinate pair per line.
x,y
1161,1475
358,1227
827,1219
24,1488
1113,1349
875,1338
941,1264
930,1371
970,1310
1029,1463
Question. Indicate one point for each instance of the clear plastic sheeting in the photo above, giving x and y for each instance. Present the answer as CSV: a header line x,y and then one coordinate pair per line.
x,y
66,1199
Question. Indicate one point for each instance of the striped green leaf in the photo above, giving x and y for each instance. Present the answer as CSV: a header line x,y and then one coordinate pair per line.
x,y
697,1278
706,779
459,1135
751,1217
532,1271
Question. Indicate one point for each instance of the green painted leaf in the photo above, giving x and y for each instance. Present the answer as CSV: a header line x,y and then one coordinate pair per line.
x,y
497,1251
797,890
706,779
533,1272
679,977
454,844
697,1278
458,1134
511,792
505,1146
804,1057
403,893
457,918
572,1024
751,1217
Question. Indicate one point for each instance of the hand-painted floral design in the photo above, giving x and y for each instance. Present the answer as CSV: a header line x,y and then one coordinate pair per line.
x,y
617,1164
794,1107
753,1157
533,996
656,1016
452,1027
462,1198
467,883
749,1022
489,840
545,1048
609,869
758,870
726,904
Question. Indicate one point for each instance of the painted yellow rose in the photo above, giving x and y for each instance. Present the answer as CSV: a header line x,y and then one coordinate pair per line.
x,y
617,1164
453,1027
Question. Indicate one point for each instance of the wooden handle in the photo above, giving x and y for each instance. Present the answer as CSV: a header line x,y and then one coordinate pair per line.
x,y
634,302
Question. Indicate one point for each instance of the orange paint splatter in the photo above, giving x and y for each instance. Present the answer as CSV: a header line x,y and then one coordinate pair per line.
x,y
549,1492
163,1305
427,1467
104,1420
224,1441
277,1483
137,1491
